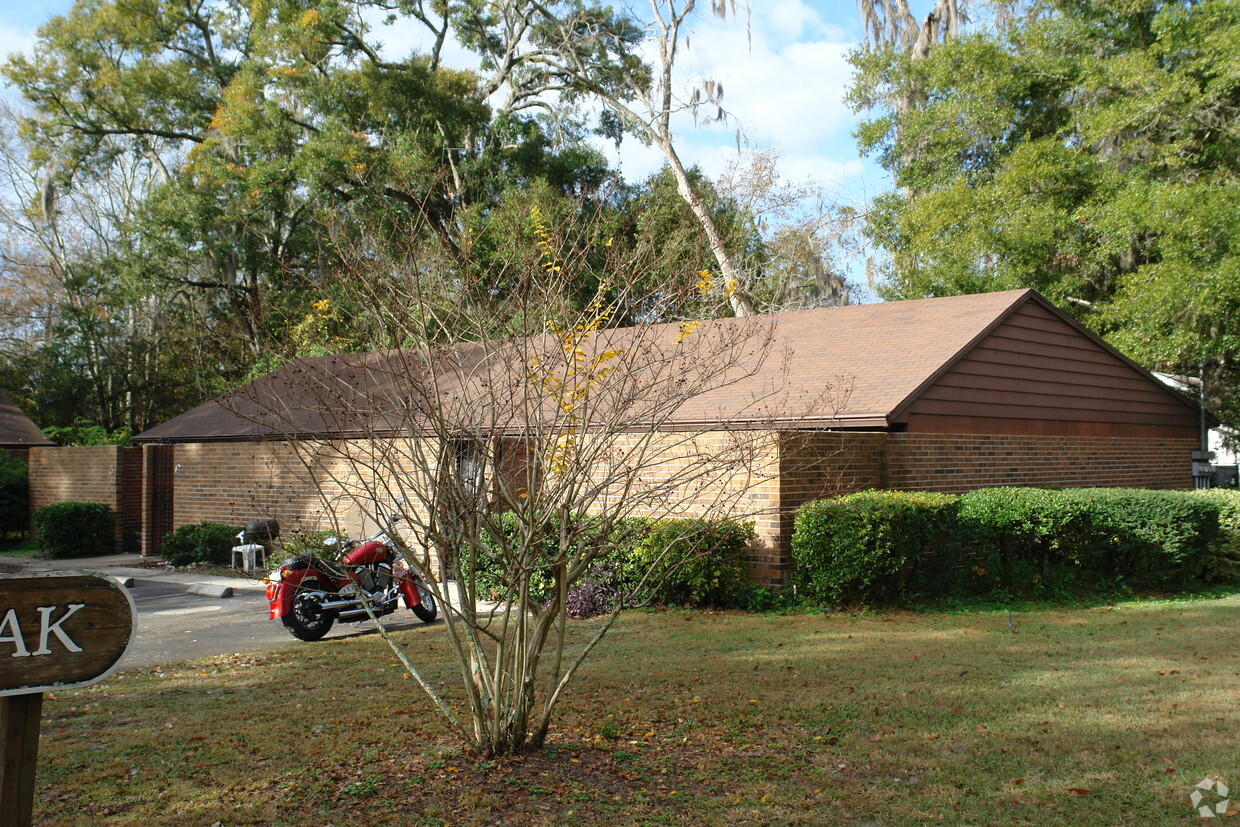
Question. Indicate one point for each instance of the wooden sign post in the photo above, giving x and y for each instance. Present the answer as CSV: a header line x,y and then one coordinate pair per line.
x,y
57,631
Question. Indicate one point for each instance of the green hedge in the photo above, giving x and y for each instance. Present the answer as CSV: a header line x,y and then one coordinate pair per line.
x,y
884,547
1147,538
199,543
14,495
1018,536
698,562
1223,563
73,529
1041,541
870,546
694,562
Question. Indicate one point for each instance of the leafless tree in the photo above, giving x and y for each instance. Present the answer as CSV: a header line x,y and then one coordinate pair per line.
x,y
803,229
527,456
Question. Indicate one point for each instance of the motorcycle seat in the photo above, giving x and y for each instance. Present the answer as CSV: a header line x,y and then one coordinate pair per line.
x,y
331,568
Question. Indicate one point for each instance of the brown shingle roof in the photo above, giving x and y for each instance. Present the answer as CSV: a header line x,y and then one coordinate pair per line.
x,y
16,429
873,357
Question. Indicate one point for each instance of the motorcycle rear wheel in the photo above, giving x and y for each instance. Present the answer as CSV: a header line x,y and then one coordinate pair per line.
x,y
426,610
306,620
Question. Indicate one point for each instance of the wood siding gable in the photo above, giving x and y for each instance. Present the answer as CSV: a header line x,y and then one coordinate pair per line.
x,y
1037,370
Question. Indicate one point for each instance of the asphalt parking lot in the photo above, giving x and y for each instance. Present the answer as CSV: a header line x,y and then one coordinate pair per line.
x,y
173,625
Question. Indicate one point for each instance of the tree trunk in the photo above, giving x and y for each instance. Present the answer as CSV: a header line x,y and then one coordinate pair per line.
x,y
742,304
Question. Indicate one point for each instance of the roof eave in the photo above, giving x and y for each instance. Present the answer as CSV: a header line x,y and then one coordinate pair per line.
x,y
870,421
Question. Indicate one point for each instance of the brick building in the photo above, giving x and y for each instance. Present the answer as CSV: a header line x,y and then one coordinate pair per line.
x,y
945,394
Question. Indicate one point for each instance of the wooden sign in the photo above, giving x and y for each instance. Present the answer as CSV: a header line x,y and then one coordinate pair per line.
x,y
61,631
57,631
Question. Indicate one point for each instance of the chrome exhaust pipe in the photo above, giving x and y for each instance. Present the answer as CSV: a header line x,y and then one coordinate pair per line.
x,y
332,605
377,609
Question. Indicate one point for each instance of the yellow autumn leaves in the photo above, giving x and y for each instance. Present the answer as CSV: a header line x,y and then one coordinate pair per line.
x,y
570,382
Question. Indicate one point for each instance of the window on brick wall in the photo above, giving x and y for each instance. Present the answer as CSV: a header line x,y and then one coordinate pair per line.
x,y
470,464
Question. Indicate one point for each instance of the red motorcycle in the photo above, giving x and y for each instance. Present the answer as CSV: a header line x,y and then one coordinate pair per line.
x,y
309,593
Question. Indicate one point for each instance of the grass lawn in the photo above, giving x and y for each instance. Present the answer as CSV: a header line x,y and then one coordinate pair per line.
x,y
1105,715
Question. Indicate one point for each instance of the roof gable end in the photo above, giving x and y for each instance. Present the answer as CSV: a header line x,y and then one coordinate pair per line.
x,y
1037,364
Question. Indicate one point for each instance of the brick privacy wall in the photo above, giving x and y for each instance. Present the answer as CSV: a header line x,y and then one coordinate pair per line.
x,y
957,463
107,474
129,497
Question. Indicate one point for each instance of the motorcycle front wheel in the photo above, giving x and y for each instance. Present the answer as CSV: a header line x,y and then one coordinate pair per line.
x,y
306,619
426,608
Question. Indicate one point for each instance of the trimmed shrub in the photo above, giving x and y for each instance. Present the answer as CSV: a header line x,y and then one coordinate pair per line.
x,y
878,546
1155,538
199,543
873,545
1223,561
694,562
14,495
1021,539
73,529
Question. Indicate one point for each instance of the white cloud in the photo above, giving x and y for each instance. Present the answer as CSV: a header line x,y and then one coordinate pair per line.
x,y
784,78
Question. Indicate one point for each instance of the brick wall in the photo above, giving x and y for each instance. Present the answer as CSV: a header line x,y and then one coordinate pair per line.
x,y
306,486
715,474
963,462
107,474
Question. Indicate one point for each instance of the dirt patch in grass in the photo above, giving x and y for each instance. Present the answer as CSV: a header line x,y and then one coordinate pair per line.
x,y
1090,716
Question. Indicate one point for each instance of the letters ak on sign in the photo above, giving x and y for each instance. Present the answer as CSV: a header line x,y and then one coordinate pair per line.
x,y
11,631
83,625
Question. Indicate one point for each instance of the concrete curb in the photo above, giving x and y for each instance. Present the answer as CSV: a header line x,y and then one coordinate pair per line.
x,y
209,590
117,568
